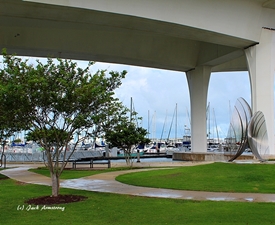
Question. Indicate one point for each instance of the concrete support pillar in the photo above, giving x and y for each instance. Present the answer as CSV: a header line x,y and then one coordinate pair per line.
x,y
261,66
198,80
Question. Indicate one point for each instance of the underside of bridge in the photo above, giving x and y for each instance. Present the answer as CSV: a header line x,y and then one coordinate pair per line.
x,y
66,32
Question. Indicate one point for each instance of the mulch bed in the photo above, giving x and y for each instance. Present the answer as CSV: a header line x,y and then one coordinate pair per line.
x,y
60,199
51,200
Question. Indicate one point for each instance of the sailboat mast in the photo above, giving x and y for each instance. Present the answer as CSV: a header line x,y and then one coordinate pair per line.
x,y
188,116
148,123
216,126
176,123
163,126
213,126
171,125
131,109
208,119
153,124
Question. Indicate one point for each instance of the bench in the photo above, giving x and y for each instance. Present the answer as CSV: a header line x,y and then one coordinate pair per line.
x,y
92,162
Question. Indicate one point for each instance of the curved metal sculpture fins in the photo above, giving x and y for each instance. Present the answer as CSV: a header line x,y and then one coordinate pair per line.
x,y
247,131
238,126
257,136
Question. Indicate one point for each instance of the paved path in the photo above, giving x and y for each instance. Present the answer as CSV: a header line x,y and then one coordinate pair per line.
x,y
106,182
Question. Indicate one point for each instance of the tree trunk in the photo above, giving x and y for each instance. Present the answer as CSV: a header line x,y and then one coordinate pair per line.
x,y
3,146
55,184
128,157
3,156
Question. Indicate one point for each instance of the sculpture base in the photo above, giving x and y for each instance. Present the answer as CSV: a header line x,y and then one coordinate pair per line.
x,y
207,156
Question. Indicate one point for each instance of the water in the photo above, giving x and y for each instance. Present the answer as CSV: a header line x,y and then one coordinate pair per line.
x,y
164,159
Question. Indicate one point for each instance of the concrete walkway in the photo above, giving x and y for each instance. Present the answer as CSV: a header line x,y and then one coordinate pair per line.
x,y
106,182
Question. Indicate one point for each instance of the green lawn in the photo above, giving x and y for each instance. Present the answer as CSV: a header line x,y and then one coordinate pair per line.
x,y
73,174
218,177
106,208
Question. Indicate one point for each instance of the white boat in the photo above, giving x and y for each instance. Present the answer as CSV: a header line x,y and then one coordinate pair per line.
x,y
171,149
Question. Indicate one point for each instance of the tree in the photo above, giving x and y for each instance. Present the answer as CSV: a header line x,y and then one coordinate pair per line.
x,y
126,135
10,106
7,127
59,101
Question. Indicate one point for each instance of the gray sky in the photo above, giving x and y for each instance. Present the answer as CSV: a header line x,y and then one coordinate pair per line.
x,y
156,92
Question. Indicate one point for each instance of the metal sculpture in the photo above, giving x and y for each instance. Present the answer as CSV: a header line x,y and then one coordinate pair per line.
x,y
257,136
247,131
239,122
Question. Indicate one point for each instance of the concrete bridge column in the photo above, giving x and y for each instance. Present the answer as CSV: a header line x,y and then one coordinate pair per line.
x,y
261,66
198,80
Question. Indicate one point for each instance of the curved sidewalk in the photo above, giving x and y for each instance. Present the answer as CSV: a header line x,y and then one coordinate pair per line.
x,y
106,182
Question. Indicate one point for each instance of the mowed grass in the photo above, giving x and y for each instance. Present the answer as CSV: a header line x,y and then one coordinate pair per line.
x,y
107,208
216,177
73,174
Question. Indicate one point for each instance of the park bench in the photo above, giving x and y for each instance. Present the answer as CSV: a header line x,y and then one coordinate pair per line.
x,y
91,162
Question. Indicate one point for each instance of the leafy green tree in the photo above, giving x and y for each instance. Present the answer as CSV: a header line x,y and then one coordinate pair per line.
x,y
11,105
59,101
126,135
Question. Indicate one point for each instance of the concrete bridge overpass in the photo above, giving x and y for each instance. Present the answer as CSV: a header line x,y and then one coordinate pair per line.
x,y
196,37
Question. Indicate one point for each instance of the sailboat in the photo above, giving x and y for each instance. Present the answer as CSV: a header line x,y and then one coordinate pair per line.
x,y
173,146
212,144
136,150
